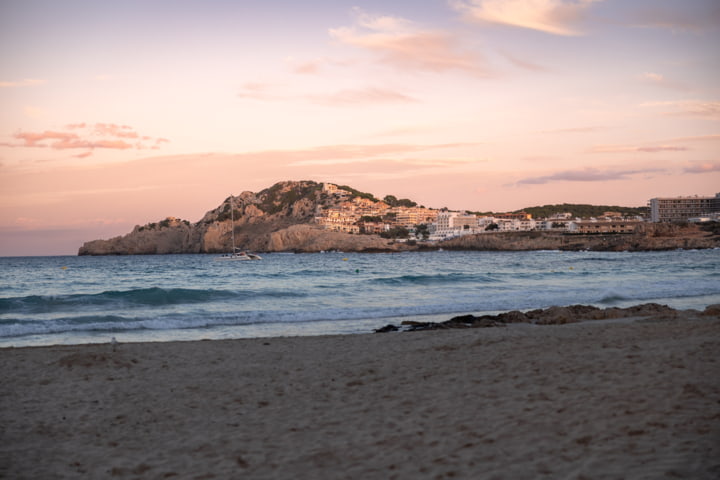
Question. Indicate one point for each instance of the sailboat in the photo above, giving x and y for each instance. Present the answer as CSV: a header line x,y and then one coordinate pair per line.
x,y
236,254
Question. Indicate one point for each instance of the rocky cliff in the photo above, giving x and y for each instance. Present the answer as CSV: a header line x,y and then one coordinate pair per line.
x,y
276,219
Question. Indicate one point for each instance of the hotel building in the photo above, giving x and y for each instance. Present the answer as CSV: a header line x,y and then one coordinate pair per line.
x,y
680,209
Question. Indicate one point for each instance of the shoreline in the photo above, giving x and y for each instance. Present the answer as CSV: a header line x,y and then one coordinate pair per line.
x,y
576,313
631,399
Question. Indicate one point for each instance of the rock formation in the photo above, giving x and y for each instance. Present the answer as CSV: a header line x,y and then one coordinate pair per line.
x,y
279,218
551,316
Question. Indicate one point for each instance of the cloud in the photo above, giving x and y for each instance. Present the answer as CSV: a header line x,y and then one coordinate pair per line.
x,y
88,137
702,168
557,17
408,130
522,63
585,175
362,97
635,149
314,66
307,68
258,91
28,82
575,130
660,80
403,44
348,97
687,108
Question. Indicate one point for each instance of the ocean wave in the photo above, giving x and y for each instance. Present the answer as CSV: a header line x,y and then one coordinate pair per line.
x,y
611,298
142,297
433,279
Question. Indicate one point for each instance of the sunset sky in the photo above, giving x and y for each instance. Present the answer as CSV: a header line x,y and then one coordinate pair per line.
x,y
117,114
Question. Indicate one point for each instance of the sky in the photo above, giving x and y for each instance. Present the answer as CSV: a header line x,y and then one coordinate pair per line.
x,y
116,114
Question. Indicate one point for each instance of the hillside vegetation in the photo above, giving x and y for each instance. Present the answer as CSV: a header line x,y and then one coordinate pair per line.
x,y
583,210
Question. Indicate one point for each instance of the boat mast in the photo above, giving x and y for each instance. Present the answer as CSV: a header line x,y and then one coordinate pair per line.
x,y
232,223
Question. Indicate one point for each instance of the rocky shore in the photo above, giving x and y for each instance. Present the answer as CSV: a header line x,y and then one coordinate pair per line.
x,y
647,237
554,316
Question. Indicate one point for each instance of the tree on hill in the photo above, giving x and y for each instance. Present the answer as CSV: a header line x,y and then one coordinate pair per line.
x,y
396,232
422,230
358,193
582,210
393,201
284,194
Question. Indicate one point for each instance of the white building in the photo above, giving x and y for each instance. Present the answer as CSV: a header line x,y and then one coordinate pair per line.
x,y
453,224
516,225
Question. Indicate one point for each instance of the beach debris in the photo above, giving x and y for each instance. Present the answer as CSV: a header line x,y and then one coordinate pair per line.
x,y
387,328
462,321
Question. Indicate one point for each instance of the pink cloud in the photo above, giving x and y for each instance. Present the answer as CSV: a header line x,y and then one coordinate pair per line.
x,y
362,97
702,168
523,63
110,129
635,149
111,136
661,148
557,17
34,139
575,130
307,68
402,44
688,108
586,175
258,91
660,80
28,82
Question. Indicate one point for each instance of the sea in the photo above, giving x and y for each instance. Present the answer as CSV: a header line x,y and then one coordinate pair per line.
x,y
156,298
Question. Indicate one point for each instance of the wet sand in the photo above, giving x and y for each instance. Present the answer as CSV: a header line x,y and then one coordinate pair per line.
x,y
592,400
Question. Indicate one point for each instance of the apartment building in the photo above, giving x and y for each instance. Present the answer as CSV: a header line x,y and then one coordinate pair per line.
x,y
679,209
452,224
515,224
513,216
408,217
604,226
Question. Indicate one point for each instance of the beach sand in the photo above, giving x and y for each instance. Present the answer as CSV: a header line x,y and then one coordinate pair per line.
x,y
594,400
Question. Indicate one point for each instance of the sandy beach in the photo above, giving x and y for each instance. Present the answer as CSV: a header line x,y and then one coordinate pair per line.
x,y
592,400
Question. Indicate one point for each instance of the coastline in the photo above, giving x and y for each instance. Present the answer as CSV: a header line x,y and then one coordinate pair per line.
x,y
309,238
632,399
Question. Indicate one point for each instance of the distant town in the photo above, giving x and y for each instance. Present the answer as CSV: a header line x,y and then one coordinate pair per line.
x,y
401,218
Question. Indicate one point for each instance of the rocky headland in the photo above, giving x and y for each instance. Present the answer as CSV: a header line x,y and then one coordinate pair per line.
x,y
277,219
281,219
